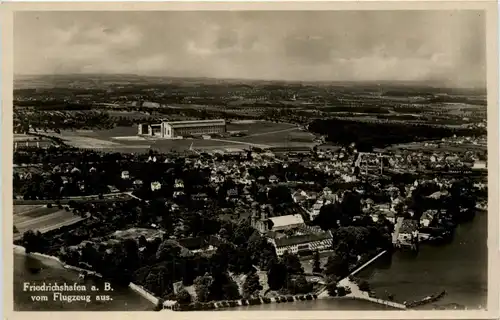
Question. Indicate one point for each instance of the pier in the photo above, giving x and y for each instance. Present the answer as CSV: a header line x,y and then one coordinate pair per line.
x,y
356,293
367,263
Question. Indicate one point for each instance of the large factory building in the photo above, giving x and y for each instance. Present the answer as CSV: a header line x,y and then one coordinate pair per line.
x,y
176,129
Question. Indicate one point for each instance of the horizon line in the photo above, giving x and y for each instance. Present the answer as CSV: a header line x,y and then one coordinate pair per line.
x,y
426,83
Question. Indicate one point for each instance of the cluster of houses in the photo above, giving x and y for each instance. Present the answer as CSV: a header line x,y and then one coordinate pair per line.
x,y
289,231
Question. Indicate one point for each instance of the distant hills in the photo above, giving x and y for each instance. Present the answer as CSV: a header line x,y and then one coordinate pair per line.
x,y
108,80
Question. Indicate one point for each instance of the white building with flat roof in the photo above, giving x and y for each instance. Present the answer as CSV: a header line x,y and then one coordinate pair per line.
x,y
174,129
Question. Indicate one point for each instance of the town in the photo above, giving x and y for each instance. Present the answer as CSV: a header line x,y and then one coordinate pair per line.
x,y
223,210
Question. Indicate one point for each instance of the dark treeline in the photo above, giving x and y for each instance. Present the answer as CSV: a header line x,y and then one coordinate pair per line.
x,y
358,109
54,105
370,135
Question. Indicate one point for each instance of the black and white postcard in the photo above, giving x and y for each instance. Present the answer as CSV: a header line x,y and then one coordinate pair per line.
x,y
281,160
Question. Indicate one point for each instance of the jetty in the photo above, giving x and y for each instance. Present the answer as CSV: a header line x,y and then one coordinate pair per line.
x,y
367,263
356,293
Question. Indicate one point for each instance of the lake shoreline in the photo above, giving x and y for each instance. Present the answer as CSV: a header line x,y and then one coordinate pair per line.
x,y
136,288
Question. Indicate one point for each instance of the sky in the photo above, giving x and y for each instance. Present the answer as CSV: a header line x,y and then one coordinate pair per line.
x,y
440,46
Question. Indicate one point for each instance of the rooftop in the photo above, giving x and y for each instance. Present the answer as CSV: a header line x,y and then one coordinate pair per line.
x,y
287,220
300,239
193,123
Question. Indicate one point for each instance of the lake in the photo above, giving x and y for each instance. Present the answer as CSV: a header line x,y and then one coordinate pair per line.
x,y
460,268
123,299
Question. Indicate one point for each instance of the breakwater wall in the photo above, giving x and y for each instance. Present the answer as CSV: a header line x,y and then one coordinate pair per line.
x,y
214,305
383,302
144,293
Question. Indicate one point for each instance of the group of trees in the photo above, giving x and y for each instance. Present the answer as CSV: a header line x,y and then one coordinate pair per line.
x,y
161,262
340,213
370,135
67,120
216,286
456,203
287,275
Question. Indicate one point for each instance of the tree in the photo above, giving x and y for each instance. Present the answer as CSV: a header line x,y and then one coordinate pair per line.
x,y
337,265
223,256
202,287
143,242
341,291
90,255
34,241
316,263
292,263
131,253
251,286
351,204
331,286
298,284
242,233
223,287
352,240
364,285
276,276
261,251
230,290
279,195
329,216
168,250
183,297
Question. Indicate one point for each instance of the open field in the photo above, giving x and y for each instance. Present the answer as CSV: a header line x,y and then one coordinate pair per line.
x,y
258,126
23,137
26,140
260,134
198,144
42,219
26,208
87,142
104,139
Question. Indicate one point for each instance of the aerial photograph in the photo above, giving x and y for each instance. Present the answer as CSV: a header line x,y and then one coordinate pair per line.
x,y
178,161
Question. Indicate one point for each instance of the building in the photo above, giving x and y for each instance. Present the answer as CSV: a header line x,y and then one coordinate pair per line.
x,y
286,222
177,129
302,244
480,165
125,175
262,222
406,232
427,217
155,186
